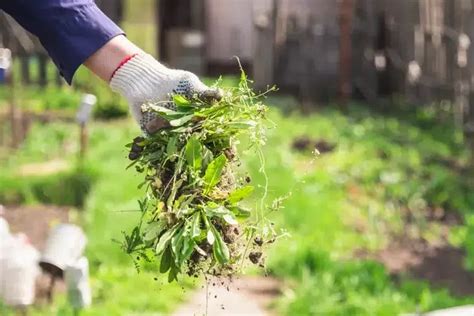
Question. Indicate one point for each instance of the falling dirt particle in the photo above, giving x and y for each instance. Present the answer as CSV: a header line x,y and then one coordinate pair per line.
x,y
258,241
215,296
255,257
156,279
213,284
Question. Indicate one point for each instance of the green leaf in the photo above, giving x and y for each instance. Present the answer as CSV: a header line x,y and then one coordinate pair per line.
x,y
210,237
133,241
176,186
200,251
214,172
241,124
166,260
153,230
240,194
177,244
173,275
185,200
133,163
223,213
240,212
171,147
188,249
217,211
178,99
221,252
229,218
207,157
162,110
193,153
181,121
196,227
165,239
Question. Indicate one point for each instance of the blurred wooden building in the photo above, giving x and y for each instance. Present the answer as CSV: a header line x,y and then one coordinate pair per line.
x,y
317,49
321,49
292,43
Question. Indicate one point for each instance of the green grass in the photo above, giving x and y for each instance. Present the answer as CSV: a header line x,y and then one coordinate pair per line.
x,y
109,210
381,166
64,100
391,163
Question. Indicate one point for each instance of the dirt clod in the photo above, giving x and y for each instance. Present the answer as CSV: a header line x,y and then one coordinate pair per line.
x,y
258,241
133,155
255,257
307,144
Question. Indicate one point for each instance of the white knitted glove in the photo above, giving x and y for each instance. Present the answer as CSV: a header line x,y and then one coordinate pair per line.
x,y
143,79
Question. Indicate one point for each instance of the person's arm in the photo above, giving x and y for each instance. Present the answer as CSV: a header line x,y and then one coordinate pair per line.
x,y
70,30
107,59
140,78
76,32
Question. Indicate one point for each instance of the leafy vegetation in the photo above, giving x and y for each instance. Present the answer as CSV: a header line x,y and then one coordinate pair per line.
x,y
192,216
381,179
64,189
108,209
65,100
375,185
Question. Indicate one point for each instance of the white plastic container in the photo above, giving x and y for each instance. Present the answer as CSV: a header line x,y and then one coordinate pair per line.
x,y
19,269
77,282
64,247
4,229
6,246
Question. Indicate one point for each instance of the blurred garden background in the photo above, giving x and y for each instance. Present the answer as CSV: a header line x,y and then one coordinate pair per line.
x,y
380,220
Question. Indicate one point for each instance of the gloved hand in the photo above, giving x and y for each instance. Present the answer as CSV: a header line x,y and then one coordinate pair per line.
x,y
143,79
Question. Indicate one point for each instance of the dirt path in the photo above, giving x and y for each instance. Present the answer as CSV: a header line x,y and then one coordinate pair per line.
x,y
35,221
249,296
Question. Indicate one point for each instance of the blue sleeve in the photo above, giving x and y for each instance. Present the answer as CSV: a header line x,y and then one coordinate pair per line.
x,y
70,30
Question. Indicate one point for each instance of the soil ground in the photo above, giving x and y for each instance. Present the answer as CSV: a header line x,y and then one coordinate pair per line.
x,y
435,261
35,221
249,296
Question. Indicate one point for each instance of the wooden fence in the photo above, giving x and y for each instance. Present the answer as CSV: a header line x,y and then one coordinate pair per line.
x,y
419,49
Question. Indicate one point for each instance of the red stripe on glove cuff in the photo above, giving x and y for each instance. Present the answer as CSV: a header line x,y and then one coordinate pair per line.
x,y
123,62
